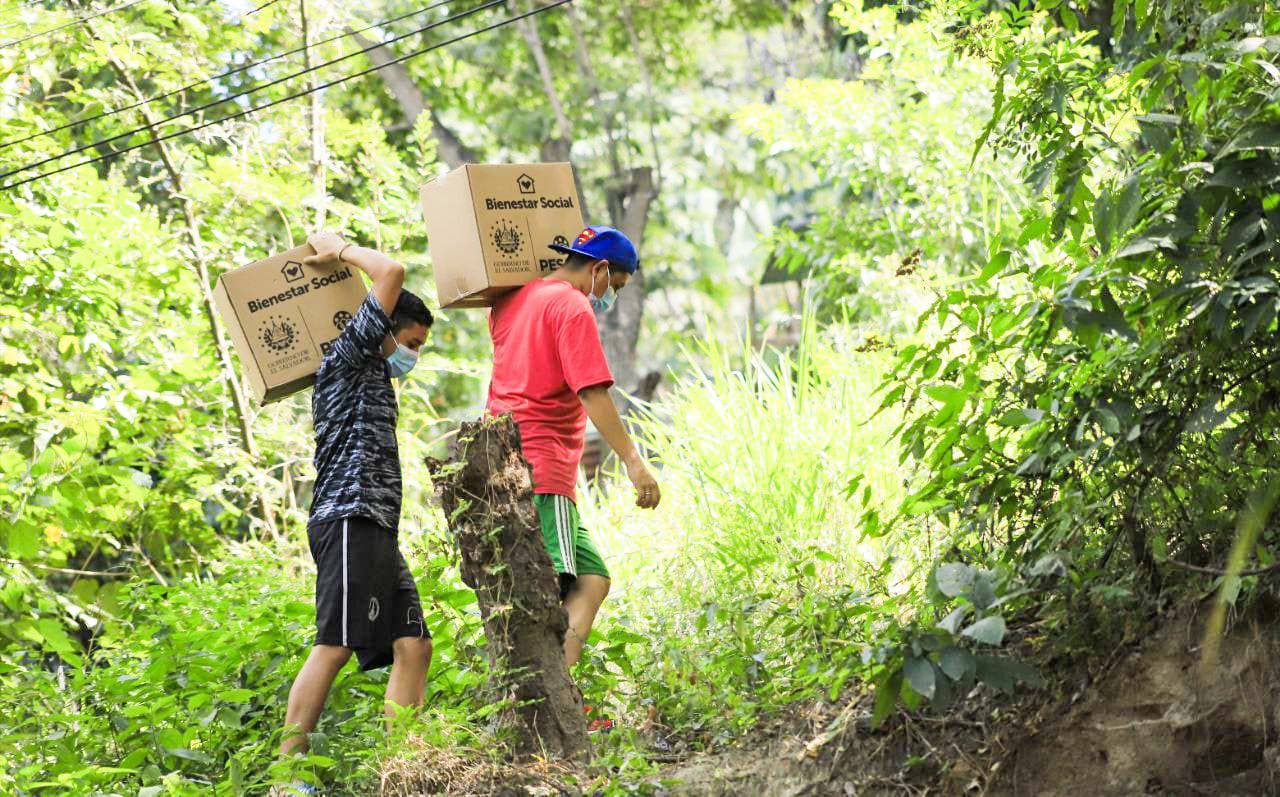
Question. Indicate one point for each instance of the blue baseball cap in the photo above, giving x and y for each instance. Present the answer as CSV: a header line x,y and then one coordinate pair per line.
x,y
604,243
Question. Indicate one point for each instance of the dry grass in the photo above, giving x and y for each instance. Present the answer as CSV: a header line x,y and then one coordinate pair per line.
x,y
426,768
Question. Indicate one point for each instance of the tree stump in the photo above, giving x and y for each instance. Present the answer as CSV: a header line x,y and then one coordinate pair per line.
x,y
486,490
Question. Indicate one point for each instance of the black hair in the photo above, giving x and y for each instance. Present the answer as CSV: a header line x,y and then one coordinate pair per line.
x,y
410,310
574,261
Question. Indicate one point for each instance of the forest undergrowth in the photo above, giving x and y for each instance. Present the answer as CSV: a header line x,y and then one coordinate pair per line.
x,y
1018,458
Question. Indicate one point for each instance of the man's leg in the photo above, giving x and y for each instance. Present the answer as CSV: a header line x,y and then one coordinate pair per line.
x,y
585,598
306,698
412,657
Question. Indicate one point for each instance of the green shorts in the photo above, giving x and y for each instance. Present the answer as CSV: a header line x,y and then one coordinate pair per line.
x,y
572,551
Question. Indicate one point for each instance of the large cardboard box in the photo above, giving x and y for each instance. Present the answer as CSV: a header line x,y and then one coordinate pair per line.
x,y
283,316
488,227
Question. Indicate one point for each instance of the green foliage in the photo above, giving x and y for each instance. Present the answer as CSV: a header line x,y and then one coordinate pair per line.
x,y
1082,229
1097,399
184,694
875,171
748,588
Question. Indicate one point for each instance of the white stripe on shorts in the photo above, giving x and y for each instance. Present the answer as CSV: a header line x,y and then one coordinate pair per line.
x,y
555,514
344,582
567,551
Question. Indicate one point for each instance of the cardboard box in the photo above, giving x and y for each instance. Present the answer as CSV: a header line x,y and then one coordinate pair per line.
x,y
283,316
488,227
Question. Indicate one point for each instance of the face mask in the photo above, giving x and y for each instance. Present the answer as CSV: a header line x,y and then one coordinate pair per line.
x,y
401,361
601,304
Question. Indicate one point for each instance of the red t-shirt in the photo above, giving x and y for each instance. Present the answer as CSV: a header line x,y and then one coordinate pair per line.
x,y
546,349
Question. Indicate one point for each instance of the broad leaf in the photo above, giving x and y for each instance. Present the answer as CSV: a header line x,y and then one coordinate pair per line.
x,y
919,672
988,630
955,578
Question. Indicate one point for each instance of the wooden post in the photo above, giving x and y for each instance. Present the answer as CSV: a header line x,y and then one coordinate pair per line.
x,y
486,490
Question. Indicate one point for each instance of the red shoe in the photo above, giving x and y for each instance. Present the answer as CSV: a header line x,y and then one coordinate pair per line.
x,y
599,724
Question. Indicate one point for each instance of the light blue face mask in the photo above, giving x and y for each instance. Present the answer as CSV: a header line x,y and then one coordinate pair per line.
x,y
401,361
602,304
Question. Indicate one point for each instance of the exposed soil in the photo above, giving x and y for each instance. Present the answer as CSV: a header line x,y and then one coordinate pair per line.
x,y
1152,722
1160,723
1145,719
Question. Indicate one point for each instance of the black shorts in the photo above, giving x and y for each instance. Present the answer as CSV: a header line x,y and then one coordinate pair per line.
x,y
365,596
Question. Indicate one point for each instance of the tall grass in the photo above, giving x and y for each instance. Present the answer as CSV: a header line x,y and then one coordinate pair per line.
x,y
751,583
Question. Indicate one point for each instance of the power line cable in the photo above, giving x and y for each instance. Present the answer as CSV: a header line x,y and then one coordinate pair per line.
x,y
259,8
294,96
251,90
71,24
228,73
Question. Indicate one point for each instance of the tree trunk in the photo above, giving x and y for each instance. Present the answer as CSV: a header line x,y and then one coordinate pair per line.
x,y
200,264
529,29
620,328
315,124
413,102
486,490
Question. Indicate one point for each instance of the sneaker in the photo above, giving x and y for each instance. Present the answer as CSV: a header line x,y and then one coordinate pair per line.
x,y
598,724
294,790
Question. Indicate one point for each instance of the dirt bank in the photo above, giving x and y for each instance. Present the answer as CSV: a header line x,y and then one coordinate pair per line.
x,y
1148,720
1145,718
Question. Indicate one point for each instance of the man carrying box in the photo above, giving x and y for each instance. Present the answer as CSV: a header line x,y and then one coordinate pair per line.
x,y
550,373
366,599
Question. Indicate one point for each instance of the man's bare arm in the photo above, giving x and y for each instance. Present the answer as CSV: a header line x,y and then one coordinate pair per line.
x,y
386,274
602,412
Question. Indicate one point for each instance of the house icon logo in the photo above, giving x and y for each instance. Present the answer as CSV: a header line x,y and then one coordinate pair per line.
x,y
525,183
292,271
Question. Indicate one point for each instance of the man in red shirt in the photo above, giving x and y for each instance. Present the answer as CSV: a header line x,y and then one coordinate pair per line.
x,y
550,373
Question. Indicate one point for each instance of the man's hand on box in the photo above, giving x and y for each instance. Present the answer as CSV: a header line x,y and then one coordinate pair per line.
x,y
328,248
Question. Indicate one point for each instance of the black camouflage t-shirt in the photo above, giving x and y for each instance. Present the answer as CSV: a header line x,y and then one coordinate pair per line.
x,y
354,412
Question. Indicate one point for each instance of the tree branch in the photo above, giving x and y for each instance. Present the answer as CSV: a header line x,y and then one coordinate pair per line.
x,y
620,329
648,89
315,123
413,101
529,29
1213,571
200,264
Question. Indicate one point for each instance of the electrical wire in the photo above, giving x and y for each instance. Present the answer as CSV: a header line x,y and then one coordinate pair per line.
x,y
251,90
259,8
228,73
294,96
71,24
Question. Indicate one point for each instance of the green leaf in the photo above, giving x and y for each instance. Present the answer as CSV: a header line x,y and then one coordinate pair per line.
x,y
994,266
1034,230
1022,417
955,578
886,696
952,398
951,623
1260,137
1004,673
956,662
982,594
920,675
24,540
236,695
988,631
1102,219
189,755
1127,205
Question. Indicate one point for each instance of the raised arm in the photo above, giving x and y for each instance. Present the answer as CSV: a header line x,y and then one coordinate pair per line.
x,y
603,413
386,274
